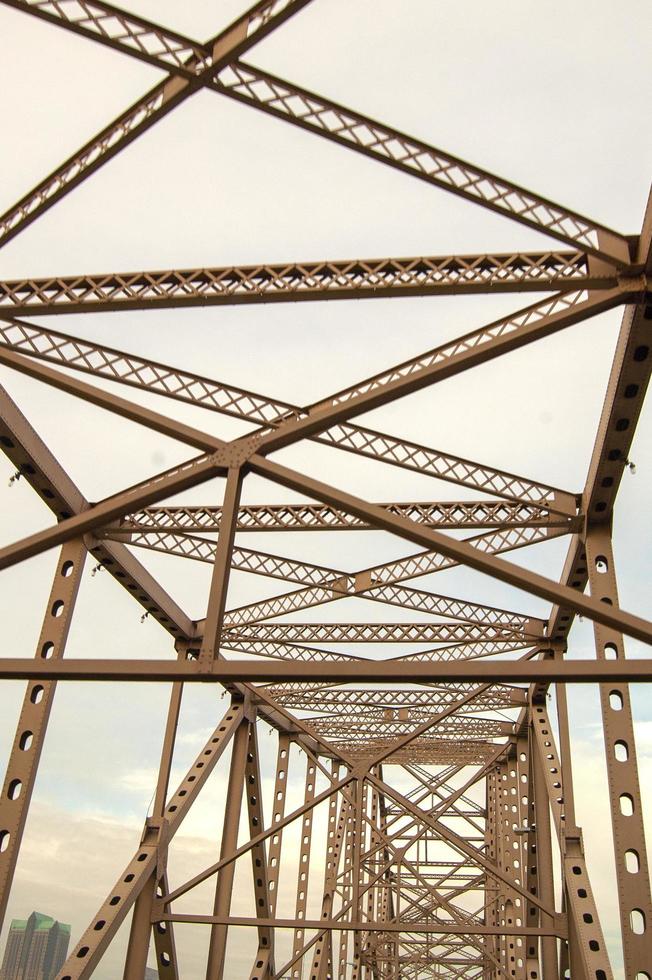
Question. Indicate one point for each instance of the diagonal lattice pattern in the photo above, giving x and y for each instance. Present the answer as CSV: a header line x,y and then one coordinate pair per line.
x,y
421,276
197,390
320,517
264,91
431,873
379,633
165,96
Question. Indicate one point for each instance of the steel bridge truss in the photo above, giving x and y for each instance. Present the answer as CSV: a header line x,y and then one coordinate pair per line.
x,y
420,800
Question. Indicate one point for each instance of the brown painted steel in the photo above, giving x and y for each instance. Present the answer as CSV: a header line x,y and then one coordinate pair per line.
x,y
162,379
302,281
313,517
415,158
369,671
630,852
460,550
32,726
262,18
85,956
140,38
414,876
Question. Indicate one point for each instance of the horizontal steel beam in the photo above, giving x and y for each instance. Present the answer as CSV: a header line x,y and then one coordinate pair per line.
x,y
447,515
293,281
381,633
369,671
392,699
379,927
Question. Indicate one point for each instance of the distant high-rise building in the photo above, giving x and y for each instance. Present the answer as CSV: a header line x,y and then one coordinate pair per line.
x,y
36,948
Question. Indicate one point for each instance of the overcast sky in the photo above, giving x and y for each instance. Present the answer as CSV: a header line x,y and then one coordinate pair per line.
x,y
552,96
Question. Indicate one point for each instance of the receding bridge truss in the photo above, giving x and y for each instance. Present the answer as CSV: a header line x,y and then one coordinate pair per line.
x,y
442,787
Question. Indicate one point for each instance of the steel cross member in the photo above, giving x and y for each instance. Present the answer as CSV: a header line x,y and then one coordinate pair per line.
x,y
284,100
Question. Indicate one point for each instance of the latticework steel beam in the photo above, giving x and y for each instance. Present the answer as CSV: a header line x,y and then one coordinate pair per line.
x,y
420,797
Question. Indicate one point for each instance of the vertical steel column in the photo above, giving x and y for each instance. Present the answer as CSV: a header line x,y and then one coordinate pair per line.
x,y
166,953
529,850
331,841
630,852
565,757
278,811
264,962
491,851
545,882
566,765
209,651
221,569
511,862
35,712
357,847
385,912
139,935
587,949
335,839
304,860
224,885
373,893
346,887
164,944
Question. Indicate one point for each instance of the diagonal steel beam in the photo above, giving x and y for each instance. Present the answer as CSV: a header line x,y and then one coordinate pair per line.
x,y
383,583
170,51
122,31
113,403
498,568
478,347
83,959
335,787
129,369
626,390
444,466
172,481
24,447
334,122
454,840
337,784
507,334
259,21
38,466
328,584
498,337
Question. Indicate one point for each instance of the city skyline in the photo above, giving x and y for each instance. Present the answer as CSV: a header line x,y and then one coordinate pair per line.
x,y
36,948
